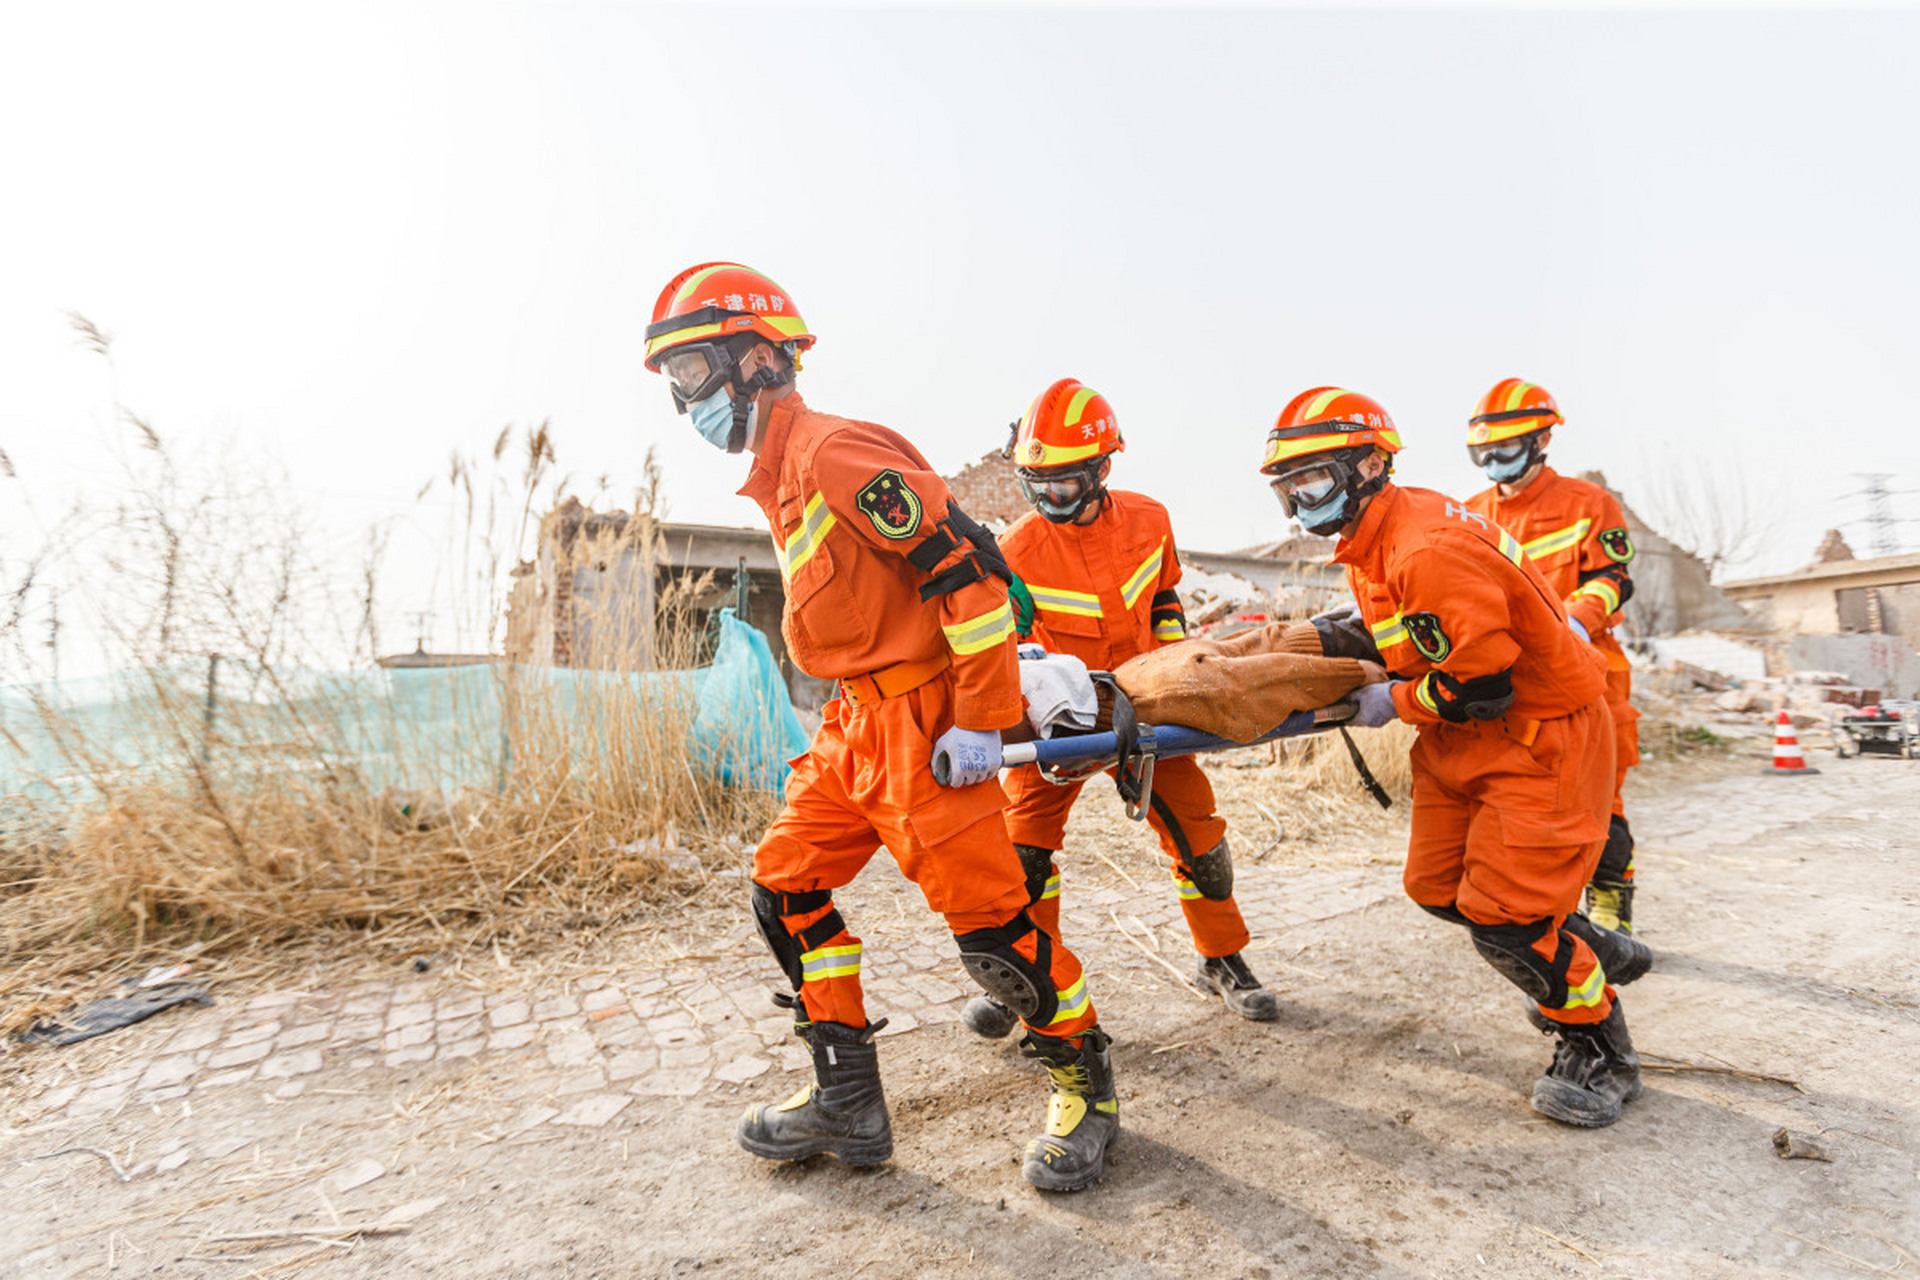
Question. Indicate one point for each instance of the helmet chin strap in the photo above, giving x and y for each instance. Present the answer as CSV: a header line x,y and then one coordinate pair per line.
x,y
744,393
1358,490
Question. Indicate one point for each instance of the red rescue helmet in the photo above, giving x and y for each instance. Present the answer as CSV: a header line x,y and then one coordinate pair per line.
x,y
1513,408
719,300
1060,449
1327,418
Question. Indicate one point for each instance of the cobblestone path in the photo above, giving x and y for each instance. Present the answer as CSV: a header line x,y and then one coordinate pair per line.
x,y
593,1043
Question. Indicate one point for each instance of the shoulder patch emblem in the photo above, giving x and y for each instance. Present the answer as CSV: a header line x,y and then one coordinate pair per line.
x,y
1617,545
890,502
1429,638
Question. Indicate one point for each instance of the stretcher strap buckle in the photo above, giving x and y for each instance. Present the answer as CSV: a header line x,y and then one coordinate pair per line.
x,y
1135,778
891,682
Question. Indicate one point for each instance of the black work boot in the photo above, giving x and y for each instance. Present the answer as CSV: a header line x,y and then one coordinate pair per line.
x,y
1083,1114
843,1113
1232,979
987,1017
1610,904
1624,958
1594,1073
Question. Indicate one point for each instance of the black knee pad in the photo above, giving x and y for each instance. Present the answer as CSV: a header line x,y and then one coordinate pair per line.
x,y
1617,855
1037,864
1024,986
769,905
1449,913
1212,873
1509,949
1614,951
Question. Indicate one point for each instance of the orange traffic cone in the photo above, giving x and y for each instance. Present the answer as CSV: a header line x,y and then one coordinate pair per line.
x,y
1787,759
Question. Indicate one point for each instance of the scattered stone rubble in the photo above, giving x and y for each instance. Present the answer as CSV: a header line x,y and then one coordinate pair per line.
x,y
1692,696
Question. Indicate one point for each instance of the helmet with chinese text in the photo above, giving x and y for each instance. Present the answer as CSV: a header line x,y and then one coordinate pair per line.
x,y
1060,448
722,300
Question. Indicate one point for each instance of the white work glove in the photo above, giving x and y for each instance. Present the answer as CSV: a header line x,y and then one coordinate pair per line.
x,y
963,757
1573,625
1375,702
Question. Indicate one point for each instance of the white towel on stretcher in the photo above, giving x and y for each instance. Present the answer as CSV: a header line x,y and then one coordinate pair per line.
x,y
1059,693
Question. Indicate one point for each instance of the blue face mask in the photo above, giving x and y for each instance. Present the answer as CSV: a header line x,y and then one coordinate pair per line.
x,y
1324,517
713,418
1507,470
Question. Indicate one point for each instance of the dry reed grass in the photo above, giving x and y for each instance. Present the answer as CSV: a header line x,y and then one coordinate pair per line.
x,y
267,818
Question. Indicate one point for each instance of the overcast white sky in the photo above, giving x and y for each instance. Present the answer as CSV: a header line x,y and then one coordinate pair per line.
x,y
358,237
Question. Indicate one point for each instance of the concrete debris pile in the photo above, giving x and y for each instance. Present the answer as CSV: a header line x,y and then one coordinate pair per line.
x,y
1683,684
1214,598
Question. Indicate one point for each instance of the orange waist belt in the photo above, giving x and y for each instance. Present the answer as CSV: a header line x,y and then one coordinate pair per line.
x,y
891,682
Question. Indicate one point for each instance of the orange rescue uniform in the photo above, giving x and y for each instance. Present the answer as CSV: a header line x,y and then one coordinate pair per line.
x,y
1104,592
847,503
1509,813
1575,533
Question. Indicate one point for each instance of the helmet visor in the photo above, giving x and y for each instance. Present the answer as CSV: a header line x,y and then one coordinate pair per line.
x,y
1504,452
695,372
1309,485
1060,491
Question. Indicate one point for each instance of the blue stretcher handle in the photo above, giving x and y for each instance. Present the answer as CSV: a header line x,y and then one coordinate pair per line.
x,y
1165,740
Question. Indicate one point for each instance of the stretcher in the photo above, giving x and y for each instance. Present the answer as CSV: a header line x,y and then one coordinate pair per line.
x,y
1072,757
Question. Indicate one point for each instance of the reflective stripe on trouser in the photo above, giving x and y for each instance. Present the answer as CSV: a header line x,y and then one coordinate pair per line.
x,y
1037,815
864,784
1509,835
1045,910
1579,990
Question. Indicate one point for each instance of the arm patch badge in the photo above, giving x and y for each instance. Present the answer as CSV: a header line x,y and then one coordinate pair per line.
x,y
1429,638
1617,545
890,502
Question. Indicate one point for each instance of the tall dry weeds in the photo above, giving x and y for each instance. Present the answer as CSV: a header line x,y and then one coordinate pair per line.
x,y
229,796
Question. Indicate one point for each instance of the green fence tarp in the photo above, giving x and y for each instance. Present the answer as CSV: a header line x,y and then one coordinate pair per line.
x,y
423,727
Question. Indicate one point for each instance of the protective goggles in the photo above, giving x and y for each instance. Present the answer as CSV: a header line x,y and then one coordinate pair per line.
x,y
1316,478
696,371
1060,490
1506,452
1307,486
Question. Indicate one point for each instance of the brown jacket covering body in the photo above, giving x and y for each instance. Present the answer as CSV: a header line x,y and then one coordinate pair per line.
x,y
1239,687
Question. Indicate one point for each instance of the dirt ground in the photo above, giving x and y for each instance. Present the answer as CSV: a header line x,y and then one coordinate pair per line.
x,y
1380,1128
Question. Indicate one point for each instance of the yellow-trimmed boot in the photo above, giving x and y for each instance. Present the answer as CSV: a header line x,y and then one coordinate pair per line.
x,y
1083,1113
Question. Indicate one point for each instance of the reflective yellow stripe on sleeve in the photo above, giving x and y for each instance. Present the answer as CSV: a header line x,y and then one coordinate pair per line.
x,y
1169,629
1388,631
806,539
1144,576
1423,693
1510,547
1060,600
1601,590
1559,540
830,962
1189,892
1053,887
978,634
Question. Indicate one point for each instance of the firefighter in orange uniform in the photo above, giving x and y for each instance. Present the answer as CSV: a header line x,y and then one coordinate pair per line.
x,y
1513,765
1101,566
1576,535
895,593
